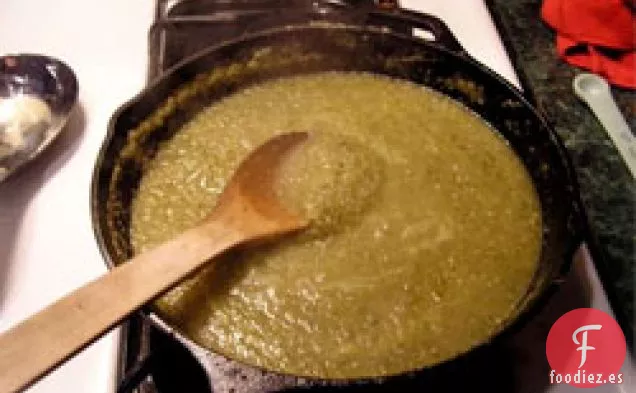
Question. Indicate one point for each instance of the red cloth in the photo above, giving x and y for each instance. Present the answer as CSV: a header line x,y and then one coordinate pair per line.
x,y
597,35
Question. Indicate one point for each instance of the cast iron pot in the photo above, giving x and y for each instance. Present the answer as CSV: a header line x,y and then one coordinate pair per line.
x,y
373,41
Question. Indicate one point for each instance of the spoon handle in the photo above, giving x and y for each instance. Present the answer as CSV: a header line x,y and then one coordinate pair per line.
x,y
612,119
40,343
607,112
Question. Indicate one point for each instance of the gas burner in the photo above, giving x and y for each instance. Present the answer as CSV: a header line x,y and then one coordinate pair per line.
x,y
215,21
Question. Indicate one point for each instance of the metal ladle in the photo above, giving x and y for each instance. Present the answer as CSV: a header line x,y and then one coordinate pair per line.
x,y
37,95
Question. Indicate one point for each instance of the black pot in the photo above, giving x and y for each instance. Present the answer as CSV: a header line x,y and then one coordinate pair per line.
x,y
368,40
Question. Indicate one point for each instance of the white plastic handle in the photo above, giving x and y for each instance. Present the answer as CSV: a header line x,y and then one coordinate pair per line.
x,y
595,91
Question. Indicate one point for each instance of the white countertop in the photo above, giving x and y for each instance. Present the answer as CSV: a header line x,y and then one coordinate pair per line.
x,y
47,246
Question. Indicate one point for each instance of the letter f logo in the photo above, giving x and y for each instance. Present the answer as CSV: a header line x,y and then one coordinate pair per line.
x,y
584,347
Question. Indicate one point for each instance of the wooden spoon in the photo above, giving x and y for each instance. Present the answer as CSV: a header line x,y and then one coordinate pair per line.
x,y
247,210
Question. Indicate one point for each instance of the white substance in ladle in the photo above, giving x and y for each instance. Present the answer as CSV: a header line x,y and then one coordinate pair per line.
x,y
24,121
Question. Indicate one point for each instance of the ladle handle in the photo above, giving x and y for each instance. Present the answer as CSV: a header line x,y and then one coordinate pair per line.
x,y
40,343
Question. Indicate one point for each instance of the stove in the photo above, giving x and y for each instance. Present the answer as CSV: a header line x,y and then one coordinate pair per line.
x,y
152,361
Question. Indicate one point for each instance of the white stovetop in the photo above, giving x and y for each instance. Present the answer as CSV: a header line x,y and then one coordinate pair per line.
x,y
46,241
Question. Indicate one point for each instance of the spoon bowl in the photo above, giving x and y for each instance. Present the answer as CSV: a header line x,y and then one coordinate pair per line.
x,y
586,84
37,95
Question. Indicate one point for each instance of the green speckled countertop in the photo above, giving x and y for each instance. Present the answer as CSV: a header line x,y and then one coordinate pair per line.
x,y
608,191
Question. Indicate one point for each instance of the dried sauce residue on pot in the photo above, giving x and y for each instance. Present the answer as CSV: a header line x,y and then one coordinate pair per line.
x,y
426,228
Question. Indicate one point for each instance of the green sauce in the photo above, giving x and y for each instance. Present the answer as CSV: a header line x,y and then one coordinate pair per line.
x,y
425,228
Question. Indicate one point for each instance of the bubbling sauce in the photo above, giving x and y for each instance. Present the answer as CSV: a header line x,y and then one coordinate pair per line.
x,y
426,228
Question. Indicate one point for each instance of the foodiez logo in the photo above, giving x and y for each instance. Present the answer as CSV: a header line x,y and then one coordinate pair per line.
x,y
586,348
